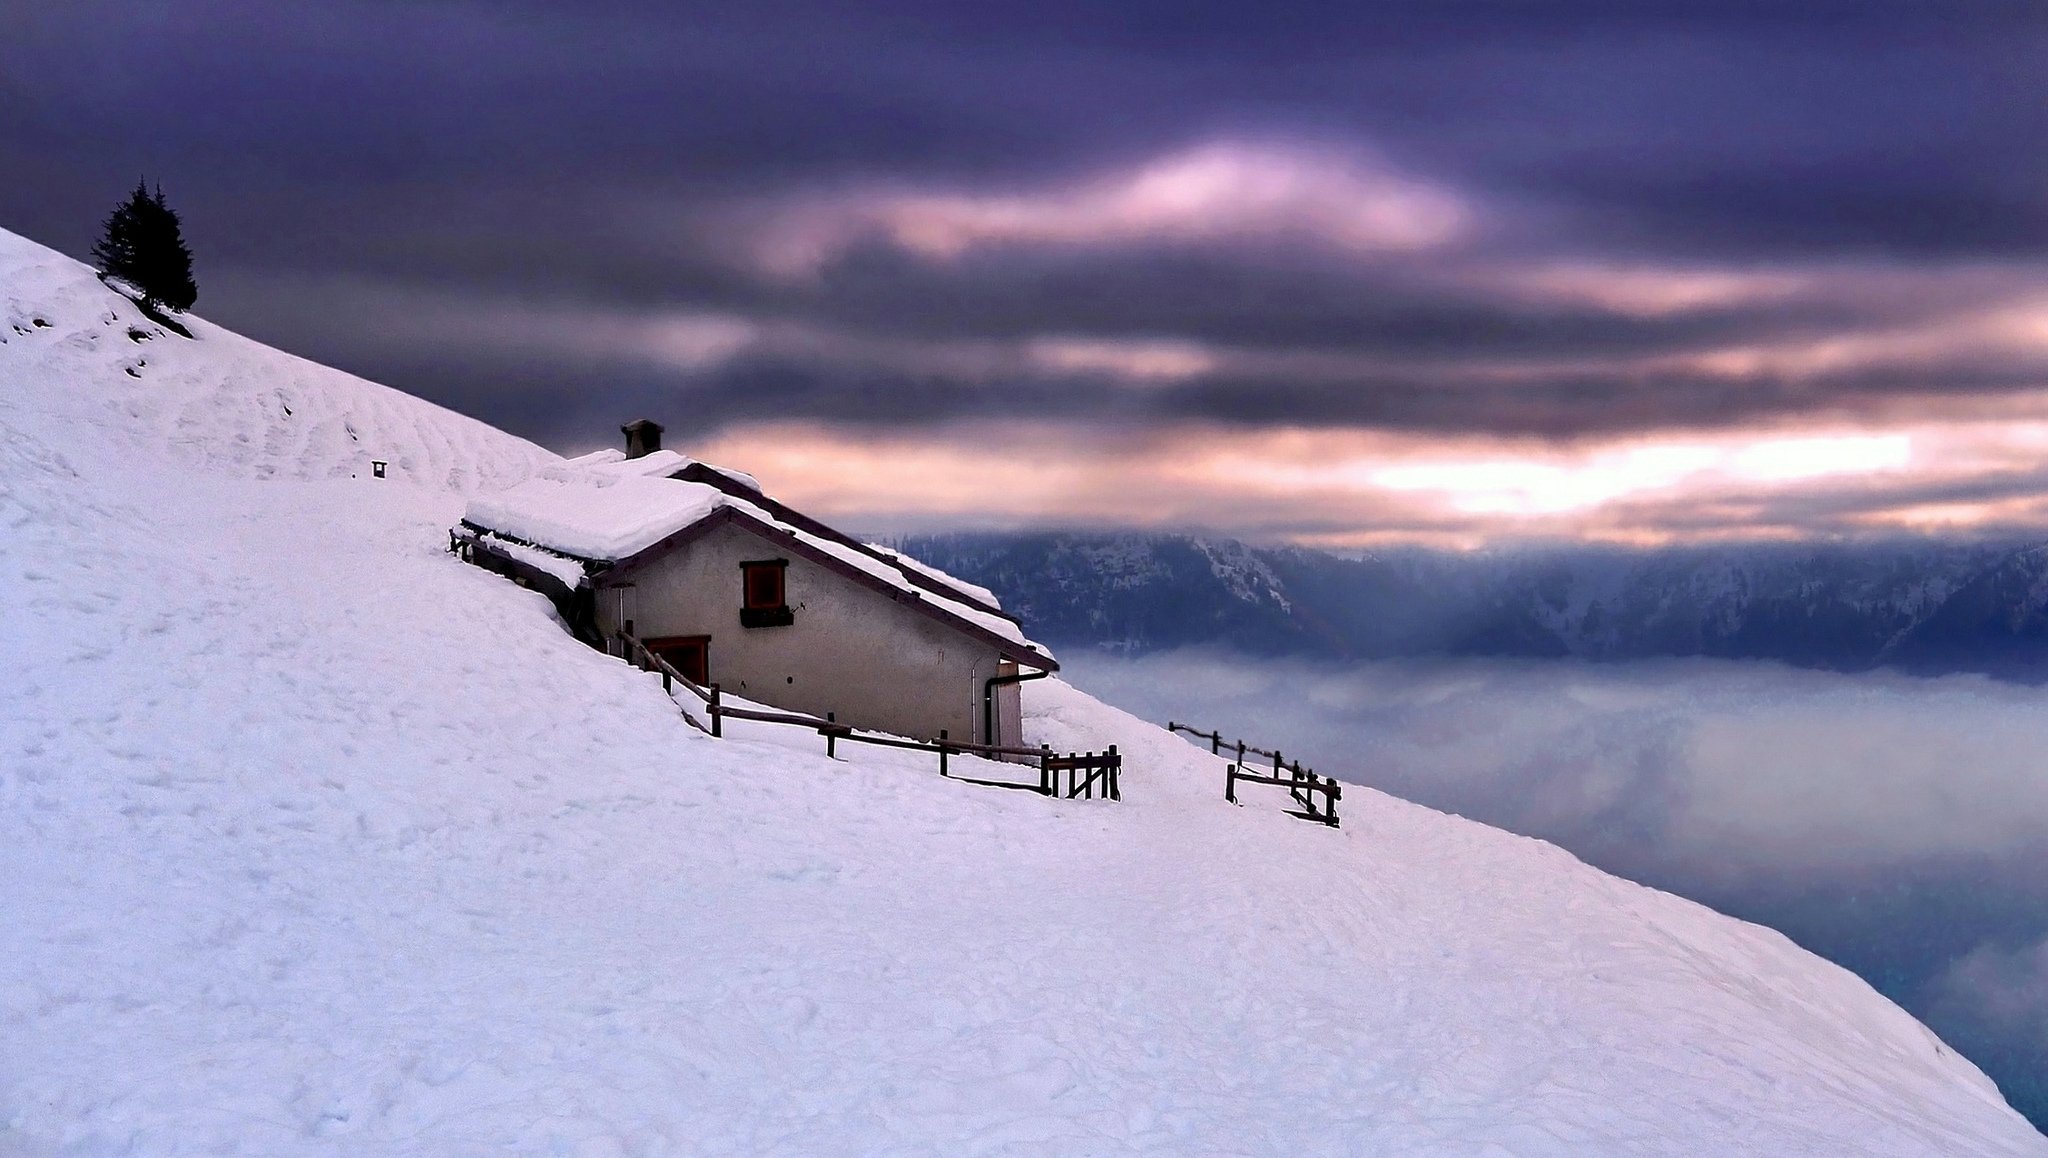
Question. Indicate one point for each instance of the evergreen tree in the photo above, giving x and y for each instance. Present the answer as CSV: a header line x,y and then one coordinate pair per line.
x,y
142,246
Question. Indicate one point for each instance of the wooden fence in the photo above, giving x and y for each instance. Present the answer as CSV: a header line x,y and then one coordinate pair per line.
x,y
1302,784
1085,772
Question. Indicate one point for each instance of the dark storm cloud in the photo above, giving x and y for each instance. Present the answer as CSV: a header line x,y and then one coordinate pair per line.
x,y
877,341
596,157
1266,300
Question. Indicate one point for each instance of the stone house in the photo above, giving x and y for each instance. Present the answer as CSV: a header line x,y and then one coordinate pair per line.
x,y
734,588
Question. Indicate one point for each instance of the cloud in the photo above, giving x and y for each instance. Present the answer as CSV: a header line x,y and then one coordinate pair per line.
x,y
1220,191
2000,988
1328,447
1754,769
1978,474
1994,999
1605,255
1140,360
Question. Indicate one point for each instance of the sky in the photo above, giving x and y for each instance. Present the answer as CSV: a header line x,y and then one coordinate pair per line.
x,y
1338,274
1894,825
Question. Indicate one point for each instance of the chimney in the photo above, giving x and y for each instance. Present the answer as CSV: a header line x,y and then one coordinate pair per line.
x,y
643,437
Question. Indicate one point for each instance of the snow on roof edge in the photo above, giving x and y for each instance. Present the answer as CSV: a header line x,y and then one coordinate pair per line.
x,y
583,515
971,590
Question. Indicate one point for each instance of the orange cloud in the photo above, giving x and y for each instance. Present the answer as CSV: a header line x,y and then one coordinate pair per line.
x,y
1350,488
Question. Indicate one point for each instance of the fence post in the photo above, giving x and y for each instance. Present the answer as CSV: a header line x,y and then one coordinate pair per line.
x,y
1044,770
717,729
1240,751
1215,743
1230,784
942,753
831,737
1116,764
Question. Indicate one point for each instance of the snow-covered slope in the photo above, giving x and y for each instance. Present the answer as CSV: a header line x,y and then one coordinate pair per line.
x,y
314,840
124,384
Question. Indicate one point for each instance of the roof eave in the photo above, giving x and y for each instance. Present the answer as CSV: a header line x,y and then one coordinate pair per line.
x,y
1007,648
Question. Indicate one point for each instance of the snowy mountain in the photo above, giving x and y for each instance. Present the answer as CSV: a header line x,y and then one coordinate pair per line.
x,y
314,840
1922,605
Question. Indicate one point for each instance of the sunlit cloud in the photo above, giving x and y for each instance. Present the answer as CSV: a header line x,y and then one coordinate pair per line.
x,y
1359,488
1216,191
1647,290
1136,359
1530,485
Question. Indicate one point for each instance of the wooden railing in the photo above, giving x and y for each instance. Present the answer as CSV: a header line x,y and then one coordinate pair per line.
x,y
1085,772
1302,784
638,655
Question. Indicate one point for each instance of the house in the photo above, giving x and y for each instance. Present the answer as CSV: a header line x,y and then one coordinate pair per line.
x,y
734,588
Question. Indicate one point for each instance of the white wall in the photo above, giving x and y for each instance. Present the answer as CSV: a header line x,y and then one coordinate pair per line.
x,y
852,651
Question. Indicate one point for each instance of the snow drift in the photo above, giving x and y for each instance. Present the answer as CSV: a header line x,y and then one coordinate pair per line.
x,y
314,840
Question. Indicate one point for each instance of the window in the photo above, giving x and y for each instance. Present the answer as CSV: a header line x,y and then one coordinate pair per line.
x,y
763,602
688,654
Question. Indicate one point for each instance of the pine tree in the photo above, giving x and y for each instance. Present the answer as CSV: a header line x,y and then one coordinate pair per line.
x,y
142,246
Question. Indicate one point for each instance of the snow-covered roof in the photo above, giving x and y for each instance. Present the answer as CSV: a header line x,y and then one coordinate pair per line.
x,y
974,590
658,464
594,517
606,508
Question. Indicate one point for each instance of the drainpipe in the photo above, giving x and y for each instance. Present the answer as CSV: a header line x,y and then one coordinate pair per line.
x,y
988,700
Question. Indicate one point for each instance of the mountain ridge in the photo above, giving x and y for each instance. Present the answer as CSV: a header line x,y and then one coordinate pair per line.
x,y
1924,605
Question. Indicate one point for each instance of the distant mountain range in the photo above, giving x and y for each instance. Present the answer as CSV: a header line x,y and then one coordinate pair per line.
x,y
1920,605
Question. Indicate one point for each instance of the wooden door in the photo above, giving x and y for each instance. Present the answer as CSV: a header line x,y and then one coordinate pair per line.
x,y
688,654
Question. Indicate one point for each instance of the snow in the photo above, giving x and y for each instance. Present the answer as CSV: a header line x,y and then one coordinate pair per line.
x,y
659,464
606,467
219,400
971,591
599,522
1000,625
314,840
593,511
570,572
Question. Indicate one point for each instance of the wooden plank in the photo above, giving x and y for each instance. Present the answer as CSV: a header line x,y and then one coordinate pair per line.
x,y
811,722
996,783
668,670
997,749
892,742
1326,787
